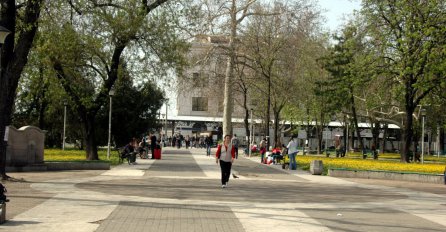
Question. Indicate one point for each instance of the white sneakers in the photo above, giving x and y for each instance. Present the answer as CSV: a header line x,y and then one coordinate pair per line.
x,y
223,186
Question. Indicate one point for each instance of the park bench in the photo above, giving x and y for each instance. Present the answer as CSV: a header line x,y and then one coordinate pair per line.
x,y
339,152
123,155
329,151
417,157
371,153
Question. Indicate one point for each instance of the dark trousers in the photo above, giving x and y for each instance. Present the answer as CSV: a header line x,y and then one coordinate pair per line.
x,y
152,149
225,171
236,151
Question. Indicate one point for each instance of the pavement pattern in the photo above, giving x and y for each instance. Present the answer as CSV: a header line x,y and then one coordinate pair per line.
x,y
182,192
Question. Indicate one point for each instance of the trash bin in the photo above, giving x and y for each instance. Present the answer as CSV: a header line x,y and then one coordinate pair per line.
x,y
157,154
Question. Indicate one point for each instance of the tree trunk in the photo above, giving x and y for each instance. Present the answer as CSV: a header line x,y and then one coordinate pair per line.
x,y
441,145
345,133
227,102
384,140
246,119
352,136
44,103
319,134
230,65
375,134
173,128
355,121
90,138
408,126
268,113
276,129
407,136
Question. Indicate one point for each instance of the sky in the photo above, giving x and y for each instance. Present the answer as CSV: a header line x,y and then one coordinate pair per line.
x,y
334,10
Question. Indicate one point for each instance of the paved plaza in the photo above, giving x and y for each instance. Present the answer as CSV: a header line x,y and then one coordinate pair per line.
x,y
182,192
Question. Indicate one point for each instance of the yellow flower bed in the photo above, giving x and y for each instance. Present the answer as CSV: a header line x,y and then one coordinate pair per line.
x,y
77,155
382,165
397,156
64,155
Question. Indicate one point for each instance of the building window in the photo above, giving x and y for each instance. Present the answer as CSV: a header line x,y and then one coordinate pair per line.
x,y
200,79
199,104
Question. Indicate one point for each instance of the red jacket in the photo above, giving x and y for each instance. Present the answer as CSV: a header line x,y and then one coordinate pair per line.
x,y
219,151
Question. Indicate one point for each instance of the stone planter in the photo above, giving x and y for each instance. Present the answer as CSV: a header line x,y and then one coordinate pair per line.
x,y
316,167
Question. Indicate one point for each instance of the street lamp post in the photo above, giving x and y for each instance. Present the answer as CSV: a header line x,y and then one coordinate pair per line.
x,y
423,115
64,123
163,131
347,136
165,122
326,139
110,93
251,135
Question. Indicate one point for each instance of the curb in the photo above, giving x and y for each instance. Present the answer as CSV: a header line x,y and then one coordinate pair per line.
x,y
386,175
60,166
57,166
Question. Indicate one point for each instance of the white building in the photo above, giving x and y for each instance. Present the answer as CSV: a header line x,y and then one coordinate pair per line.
x,y
200,92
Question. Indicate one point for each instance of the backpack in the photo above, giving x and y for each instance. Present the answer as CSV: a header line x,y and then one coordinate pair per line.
x,y
235,142
2,193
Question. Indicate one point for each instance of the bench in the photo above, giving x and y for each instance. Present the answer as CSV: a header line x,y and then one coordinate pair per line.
x,y
371,153
338,152
329,151
417,157
130,157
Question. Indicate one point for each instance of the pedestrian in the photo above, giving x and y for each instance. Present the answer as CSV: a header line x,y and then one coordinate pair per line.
x,y
292,152
208,142
180,140
225,156
262,150
235,143
187,141
153,144
174,140
129,152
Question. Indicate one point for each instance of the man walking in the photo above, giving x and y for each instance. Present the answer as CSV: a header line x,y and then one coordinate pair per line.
x,y
208,142
235,143
153,144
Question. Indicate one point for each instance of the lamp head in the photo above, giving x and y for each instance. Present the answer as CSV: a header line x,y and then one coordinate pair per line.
x,y
111,93
3,34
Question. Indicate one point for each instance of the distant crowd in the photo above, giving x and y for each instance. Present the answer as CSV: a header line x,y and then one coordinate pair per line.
x,y
178,141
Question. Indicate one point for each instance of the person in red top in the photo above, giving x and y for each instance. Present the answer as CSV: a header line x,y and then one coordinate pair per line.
x,y
225,156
